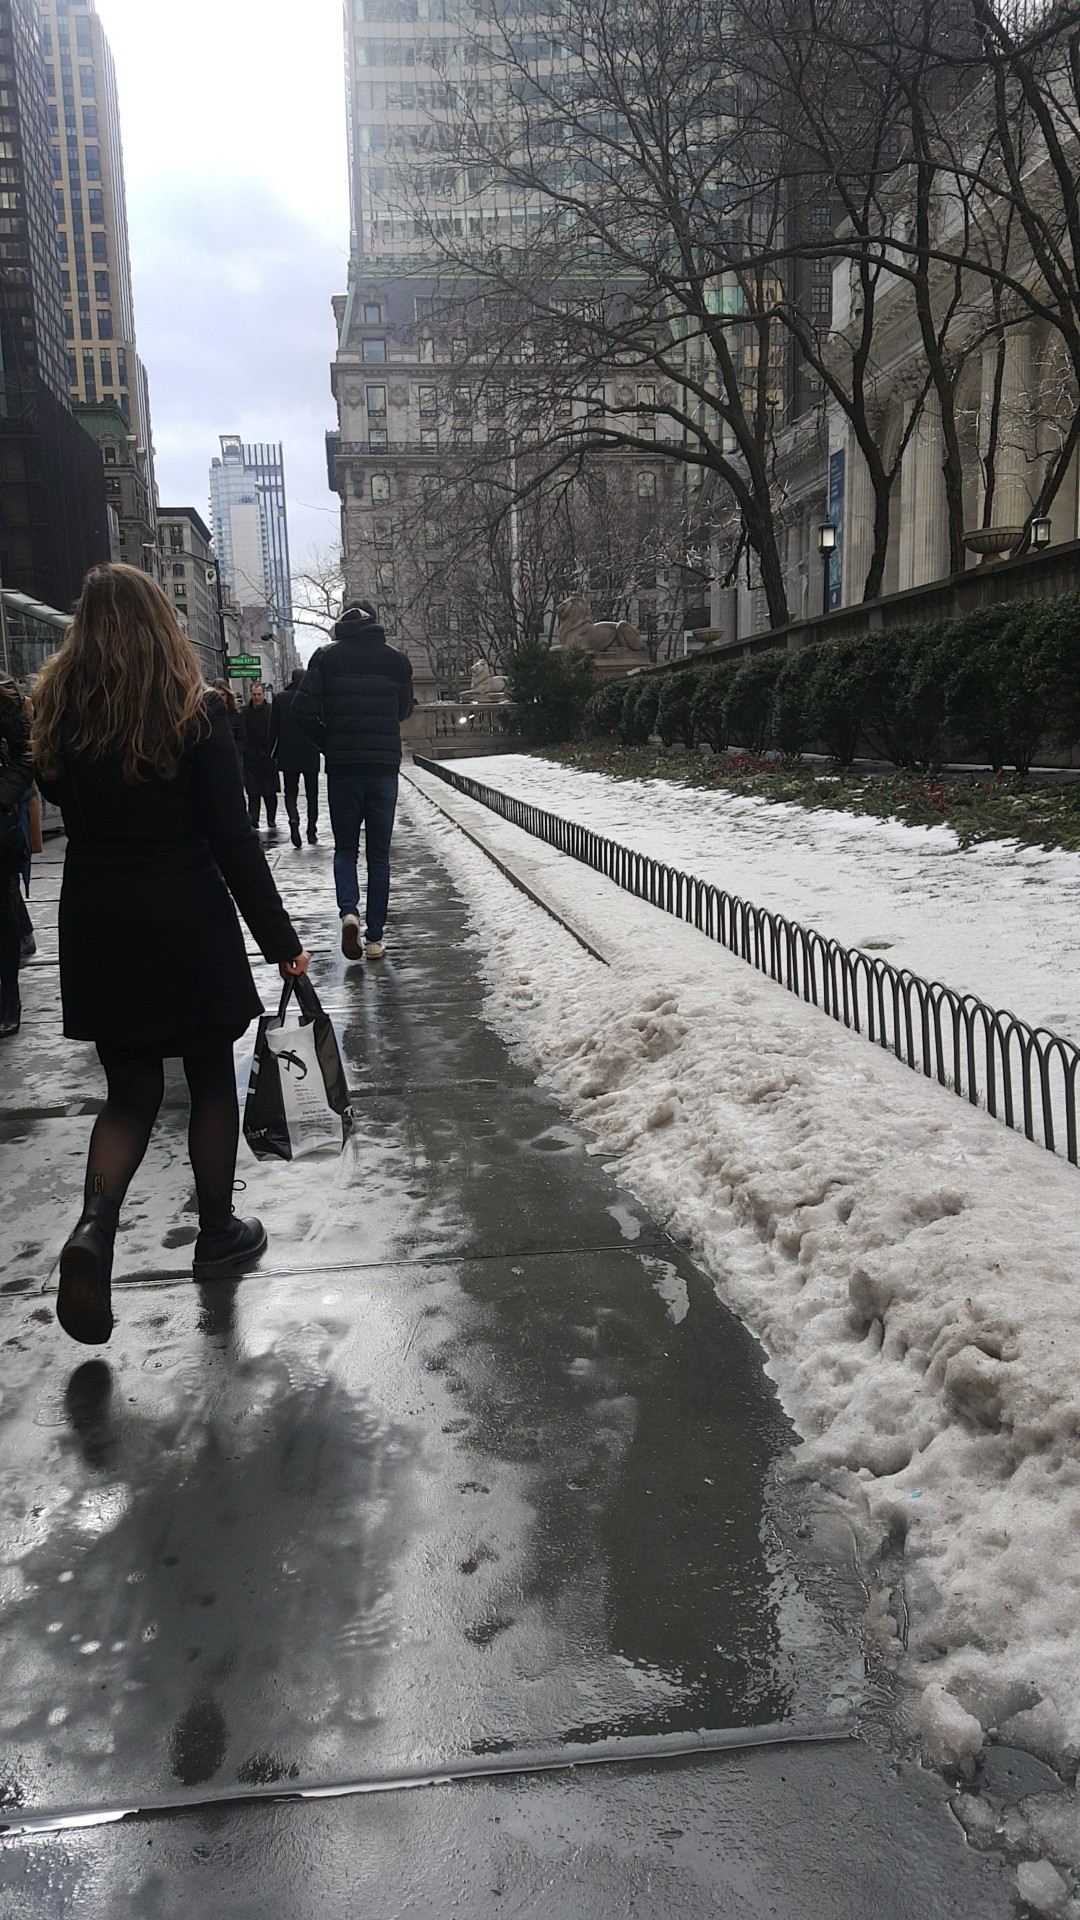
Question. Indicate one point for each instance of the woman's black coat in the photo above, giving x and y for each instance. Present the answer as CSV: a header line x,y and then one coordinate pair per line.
x,y
150,945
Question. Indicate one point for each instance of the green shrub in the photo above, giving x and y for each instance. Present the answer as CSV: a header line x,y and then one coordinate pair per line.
x,y
792,727
550,692
750,699
639,712
1010,678
838,695
675,711
602,717
709,704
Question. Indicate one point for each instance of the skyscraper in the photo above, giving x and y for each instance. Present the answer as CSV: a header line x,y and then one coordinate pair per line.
x,y
90,200
251,537
53,516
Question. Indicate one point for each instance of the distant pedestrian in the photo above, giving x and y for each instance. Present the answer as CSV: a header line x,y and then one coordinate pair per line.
x,y
260,773
138,755
296,757
15,782
350,703
234,717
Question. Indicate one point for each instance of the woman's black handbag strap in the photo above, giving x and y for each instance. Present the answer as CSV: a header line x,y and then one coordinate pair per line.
x,y
311,1007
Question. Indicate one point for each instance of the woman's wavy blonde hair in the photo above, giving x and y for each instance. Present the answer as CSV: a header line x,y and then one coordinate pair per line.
x,y
125,686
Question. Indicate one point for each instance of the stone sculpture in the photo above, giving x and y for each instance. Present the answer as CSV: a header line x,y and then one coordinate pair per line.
x,y
577,632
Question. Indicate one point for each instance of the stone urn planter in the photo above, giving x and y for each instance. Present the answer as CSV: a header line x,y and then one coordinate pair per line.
x,y
993,543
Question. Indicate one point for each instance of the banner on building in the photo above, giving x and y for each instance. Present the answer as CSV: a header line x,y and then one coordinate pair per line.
x,y
836,515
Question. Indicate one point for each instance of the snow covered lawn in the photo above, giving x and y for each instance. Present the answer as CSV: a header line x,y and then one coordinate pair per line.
x,y
912,1268
999,920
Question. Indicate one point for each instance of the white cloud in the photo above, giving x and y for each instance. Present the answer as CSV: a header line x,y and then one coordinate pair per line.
x,y
233,115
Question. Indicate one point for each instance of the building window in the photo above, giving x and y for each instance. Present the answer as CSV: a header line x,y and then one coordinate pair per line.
x,y
462,405
57,167
104,325
95,206
380,486
377,439
176,539
86,81
427,352
646,486
180,591
372,316
373,352
59,203
110,453
83,42
386,576
89,123
102,289
106,367
92,156
99,245
821,297
54,121
429,436
375,399
646,396
180,571
382,533
428,399
50,80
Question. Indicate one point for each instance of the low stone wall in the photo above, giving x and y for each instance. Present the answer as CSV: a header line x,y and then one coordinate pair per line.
x,y
1036,576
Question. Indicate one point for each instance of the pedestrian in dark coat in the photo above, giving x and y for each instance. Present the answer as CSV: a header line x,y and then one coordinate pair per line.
x,y
351,703
260,773
298,758
16,779
138,755
234,717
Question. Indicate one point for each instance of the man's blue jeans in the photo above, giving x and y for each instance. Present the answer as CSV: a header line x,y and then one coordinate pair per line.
x,y
367,800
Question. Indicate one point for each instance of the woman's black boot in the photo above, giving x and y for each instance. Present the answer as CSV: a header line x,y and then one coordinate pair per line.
x,y
10,1012
84,1299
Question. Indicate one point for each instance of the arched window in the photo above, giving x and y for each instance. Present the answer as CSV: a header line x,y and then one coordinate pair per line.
x,y
380,486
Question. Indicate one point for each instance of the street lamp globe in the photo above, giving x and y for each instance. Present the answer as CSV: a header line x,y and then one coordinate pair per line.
x,y
826,537
1040,531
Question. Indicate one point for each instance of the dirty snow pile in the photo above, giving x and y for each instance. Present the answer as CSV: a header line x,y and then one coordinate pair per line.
x,y
1000,920
912,1268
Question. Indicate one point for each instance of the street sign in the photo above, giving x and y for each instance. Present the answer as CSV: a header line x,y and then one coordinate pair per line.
x,y
244,673
241,660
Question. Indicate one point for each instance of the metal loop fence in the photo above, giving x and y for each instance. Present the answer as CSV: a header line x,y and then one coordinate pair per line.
x,y
1025,1076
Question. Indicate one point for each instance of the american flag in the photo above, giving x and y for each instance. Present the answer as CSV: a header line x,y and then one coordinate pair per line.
x,y
373,236
525,580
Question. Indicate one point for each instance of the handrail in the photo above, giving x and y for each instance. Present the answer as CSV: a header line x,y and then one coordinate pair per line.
x,y
1026,1077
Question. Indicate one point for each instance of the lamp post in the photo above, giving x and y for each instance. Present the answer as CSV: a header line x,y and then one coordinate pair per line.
x,y
1039,532
213,581
826,539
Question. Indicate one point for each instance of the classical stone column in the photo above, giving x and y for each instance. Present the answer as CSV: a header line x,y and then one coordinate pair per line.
x,y
1013,470
924,522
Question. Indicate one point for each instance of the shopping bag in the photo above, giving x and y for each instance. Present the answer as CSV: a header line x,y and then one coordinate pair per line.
x,y
297,1099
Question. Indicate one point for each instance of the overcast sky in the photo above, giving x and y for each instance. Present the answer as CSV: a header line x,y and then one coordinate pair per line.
x,y
233,115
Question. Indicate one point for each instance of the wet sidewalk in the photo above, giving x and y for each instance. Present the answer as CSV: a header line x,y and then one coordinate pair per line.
x,y
474,1465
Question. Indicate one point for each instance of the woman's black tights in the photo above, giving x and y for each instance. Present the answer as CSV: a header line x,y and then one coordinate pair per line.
x,y
136,1084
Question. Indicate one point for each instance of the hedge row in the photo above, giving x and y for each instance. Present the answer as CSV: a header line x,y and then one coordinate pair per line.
x,y
994,685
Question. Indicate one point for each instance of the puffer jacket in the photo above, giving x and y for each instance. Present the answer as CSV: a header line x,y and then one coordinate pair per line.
x,y
354,696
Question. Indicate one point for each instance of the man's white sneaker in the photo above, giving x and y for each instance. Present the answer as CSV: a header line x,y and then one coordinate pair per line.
x,y
351,945
374,949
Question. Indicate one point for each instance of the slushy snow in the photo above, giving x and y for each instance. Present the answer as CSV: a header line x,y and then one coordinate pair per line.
x,y
911,1266
999,920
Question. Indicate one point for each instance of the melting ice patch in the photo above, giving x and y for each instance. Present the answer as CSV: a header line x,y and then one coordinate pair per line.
x,y
670,1286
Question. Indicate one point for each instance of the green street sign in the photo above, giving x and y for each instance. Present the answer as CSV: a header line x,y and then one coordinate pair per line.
x,y
245,673
241,660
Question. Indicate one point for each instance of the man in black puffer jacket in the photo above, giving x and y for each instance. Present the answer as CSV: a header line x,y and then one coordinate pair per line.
x,y
350,703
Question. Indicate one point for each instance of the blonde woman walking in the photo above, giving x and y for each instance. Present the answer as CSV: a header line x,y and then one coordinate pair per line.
x,y
139,757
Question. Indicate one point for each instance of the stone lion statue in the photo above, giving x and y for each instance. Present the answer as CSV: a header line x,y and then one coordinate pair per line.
x,y
578,632
486,685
